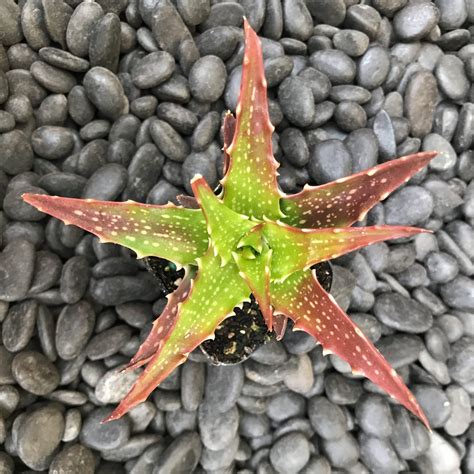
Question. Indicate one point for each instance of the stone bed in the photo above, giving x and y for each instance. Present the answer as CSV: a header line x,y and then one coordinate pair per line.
x,y
123,99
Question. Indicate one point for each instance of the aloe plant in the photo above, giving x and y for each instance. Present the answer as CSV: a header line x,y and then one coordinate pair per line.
x,y
250,239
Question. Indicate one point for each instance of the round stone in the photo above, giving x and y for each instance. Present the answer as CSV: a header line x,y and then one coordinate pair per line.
x,y
350,116
207,78
434,403
223,386
459,293
52,78
10,28
39,435
399,208
104,42
35,373
352,42
330,12
415,20
217,429
17,154
73,329
446,157
330,160
102,436
105,91
296,101
452,77
373,67
52,142
81,26
337,65
290,453
402,313
74,459
327,419
182,455
153,69
421,96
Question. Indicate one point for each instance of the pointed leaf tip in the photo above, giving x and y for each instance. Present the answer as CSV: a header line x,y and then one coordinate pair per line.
x,y
296,249
168,231
205,307
347,200
250,183
225,226
314,311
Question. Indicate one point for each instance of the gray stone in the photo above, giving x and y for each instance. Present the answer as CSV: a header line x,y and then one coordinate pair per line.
x,y
434,403
329,12
104,42
459,420
374,416
401,313
182,455
106,435
297,19
420,102
373,67
364,18
153,69
415,20
73,459
114,385
459,293
327,419
106,92
168,28
400,349
460,365
341,452
17,154
452,78
378,455
35,373
39,434
81,26
19,325
217,429
290,453
10,28
329,160
399,209
296,101
337,65
223,386
74,328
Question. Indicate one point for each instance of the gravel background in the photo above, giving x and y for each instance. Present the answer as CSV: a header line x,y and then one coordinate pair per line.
x,y
123,99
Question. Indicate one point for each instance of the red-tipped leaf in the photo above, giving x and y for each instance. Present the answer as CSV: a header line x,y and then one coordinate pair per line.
x,y
347,200
214,293
250,184
169,232
162,326
296,249
302,298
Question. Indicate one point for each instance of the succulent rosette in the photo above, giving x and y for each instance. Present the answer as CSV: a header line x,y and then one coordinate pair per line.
x,y
251,239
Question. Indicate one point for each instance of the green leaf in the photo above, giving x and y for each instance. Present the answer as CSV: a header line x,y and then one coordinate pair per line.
x,y
214,293
163,326
296,249
301,298
343,202
255,270
250,185
169,232
225,226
